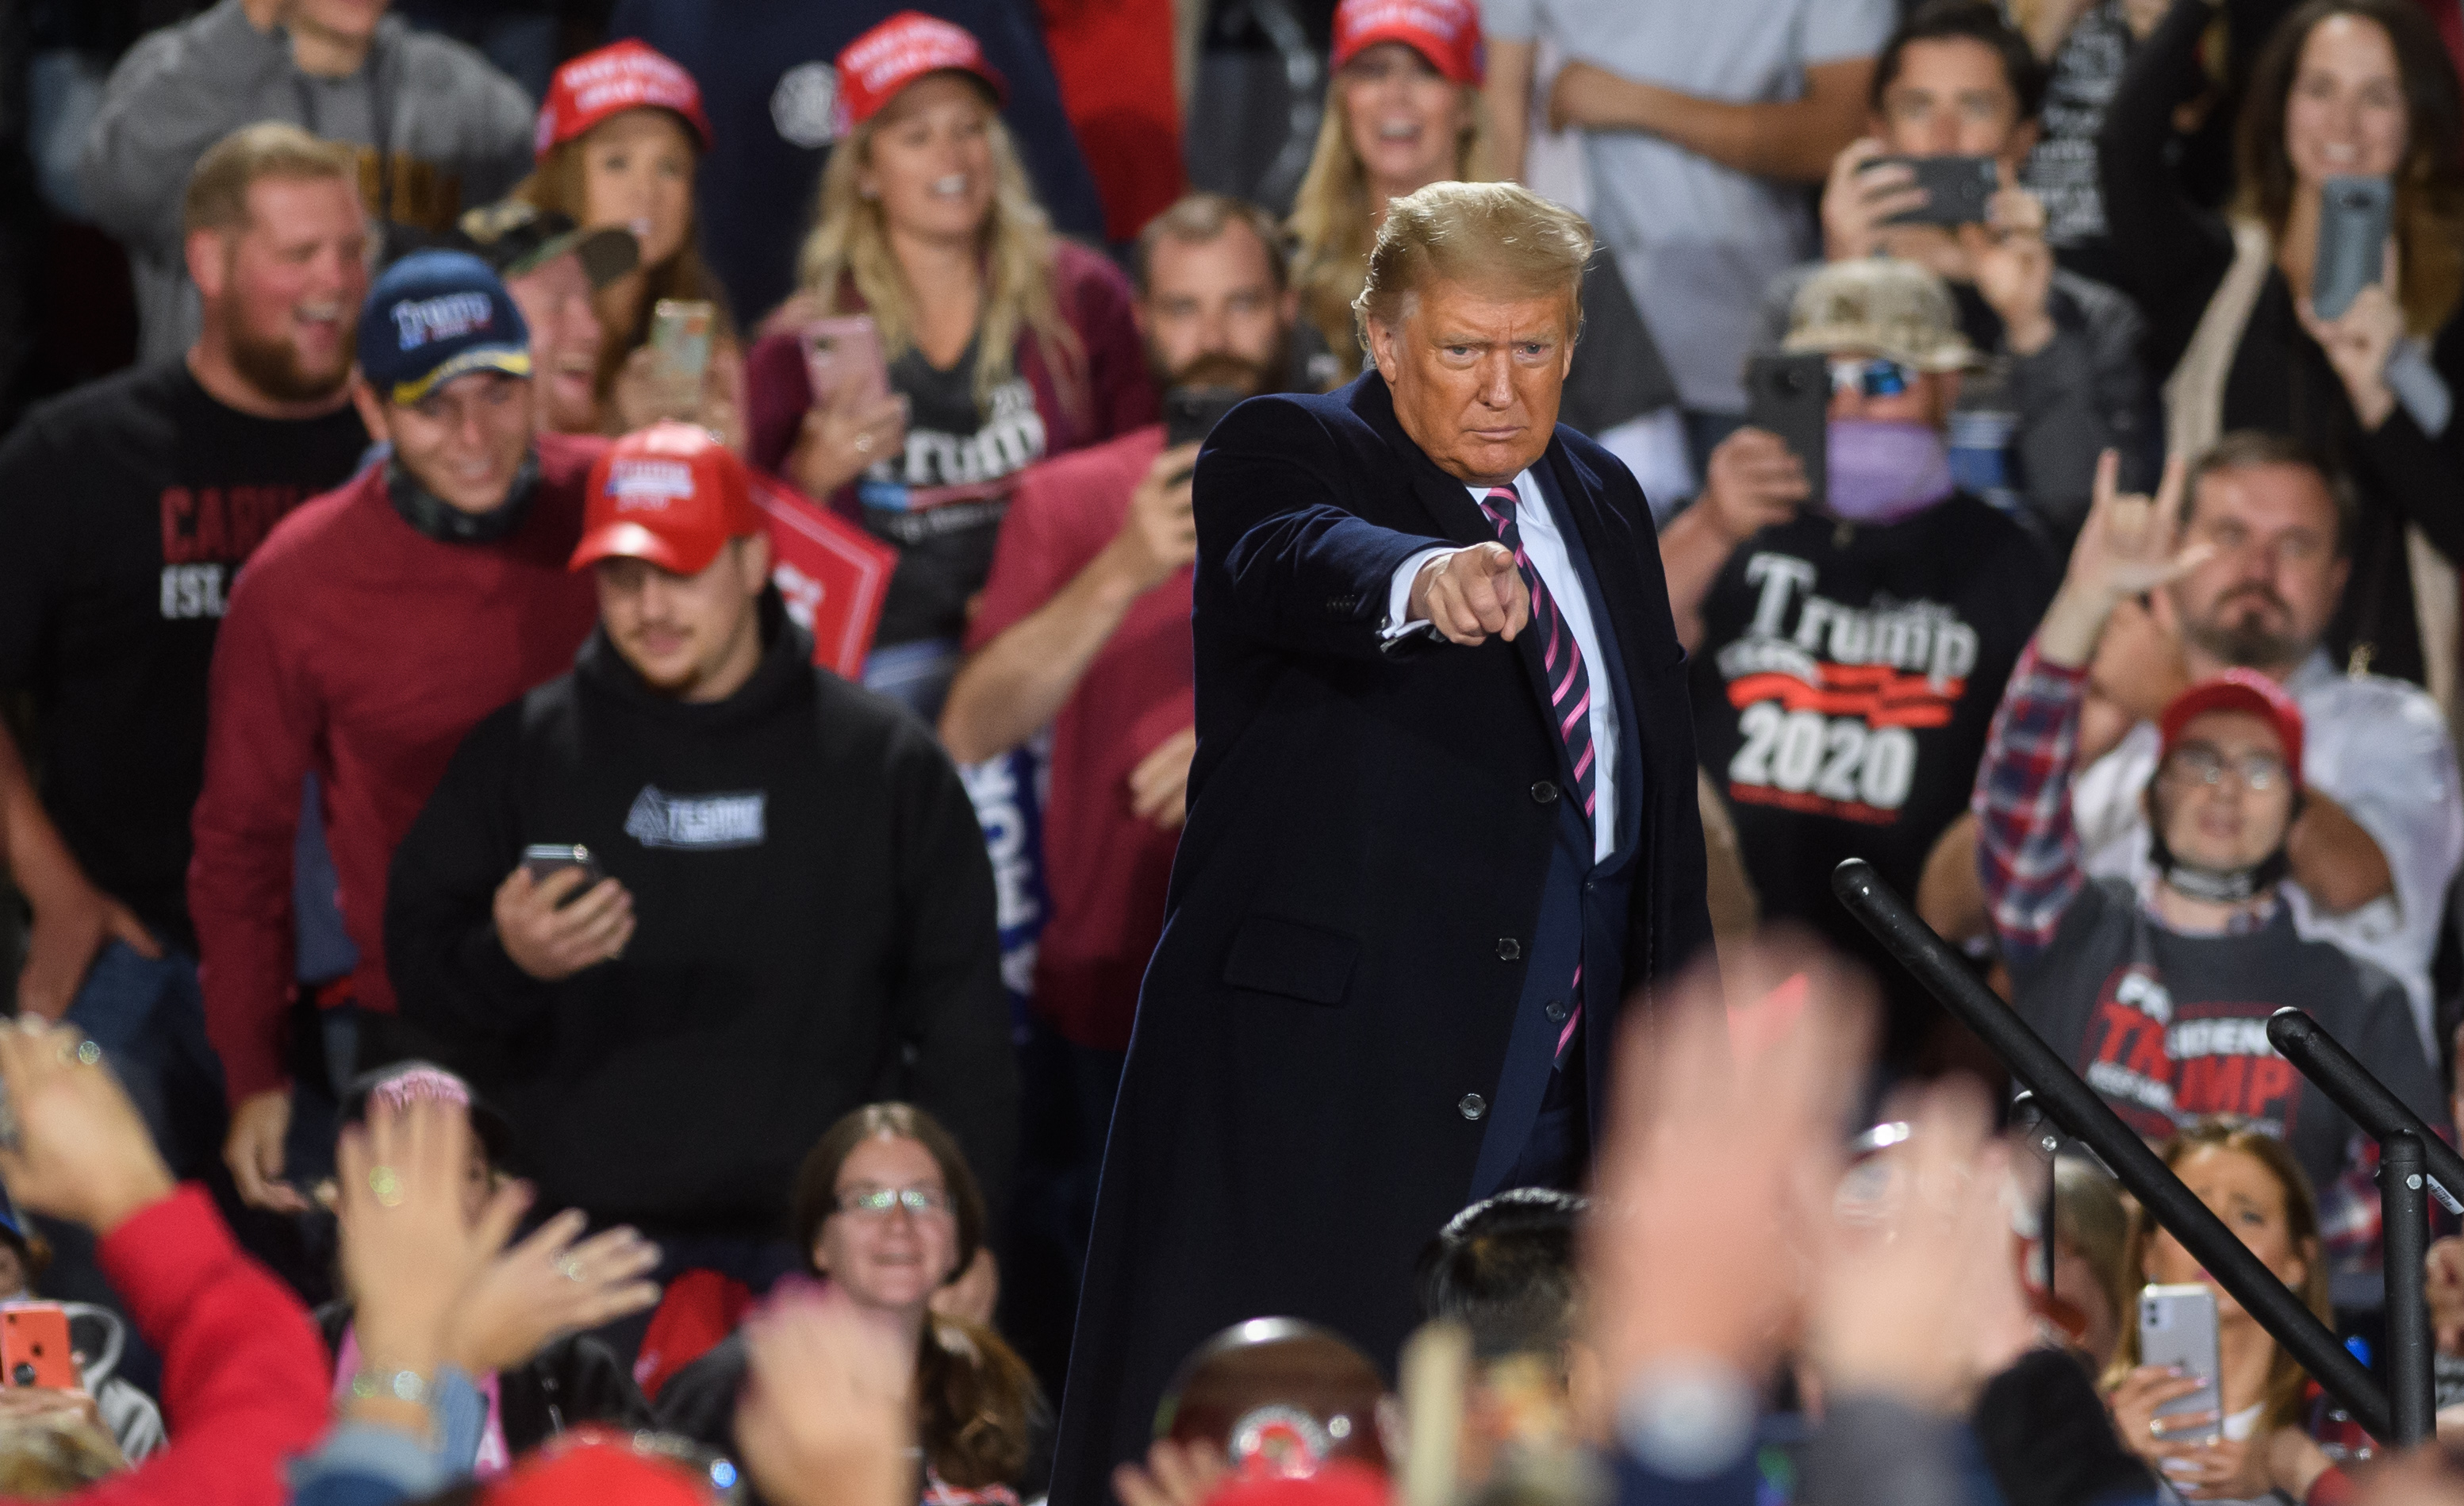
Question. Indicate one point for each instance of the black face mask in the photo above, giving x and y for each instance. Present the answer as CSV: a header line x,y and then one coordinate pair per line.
x,y
438,518
2217,885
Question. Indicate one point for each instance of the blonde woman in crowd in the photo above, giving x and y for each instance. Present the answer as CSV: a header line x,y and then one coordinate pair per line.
x,y
998,342
1405,111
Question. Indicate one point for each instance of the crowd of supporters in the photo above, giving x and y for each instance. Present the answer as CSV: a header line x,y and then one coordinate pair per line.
x,y
597,705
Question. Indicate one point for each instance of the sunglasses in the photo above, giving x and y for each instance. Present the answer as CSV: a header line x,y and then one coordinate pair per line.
x,y
1879,377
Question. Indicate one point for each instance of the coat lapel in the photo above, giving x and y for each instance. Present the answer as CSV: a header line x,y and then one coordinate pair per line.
x,y
1449,505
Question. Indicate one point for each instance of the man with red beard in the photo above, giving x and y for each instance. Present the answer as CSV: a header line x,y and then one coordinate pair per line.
x,y
128,505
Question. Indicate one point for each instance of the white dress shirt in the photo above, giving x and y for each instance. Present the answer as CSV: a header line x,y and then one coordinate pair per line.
x,y
2376,747
1546,548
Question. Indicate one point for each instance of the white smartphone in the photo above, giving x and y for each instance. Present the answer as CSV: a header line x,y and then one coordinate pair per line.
x,y
2177,1327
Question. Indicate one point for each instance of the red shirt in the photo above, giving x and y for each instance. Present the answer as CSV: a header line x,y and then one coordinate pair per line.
x,y
360,648
244,1375
1104,868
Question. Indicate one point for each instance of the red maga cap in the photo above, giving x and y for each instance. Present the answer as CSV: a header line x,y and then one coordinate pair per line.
x,y
1444,31
618,76
901,49
669,494
2245,691
598,1465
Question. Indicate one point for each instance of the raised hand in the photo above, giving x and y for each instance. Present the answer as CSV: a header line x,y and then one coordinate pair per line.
x,y
2359,342
827,1415
410,1249
548,1286
2127,548
1860,198
81,1150
1717,1160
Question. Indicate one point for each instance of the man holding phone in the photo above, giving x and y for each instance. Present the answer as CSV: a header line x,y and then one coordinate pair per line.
x,y
1084,627
797,911
1848,647
1954,112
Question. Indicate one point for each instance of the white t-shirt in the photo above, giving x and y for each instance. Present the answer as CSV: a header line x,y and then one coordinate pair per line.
x,y
2376,747
1697,242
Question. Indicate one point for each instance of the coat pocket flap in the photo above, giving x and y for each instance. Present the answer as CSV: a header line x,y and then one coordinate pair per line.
x,y
1273,955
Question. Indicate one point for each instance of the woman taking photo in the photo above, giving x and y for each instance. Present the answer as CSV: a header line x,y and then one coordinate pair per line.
x,y
618,140
2248,1179
886,1209
1403,112
1002,344
2344,89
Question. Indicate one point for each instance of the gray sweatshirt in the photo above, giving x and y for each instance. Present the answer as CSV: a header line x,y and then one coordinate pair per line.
x,y
457,134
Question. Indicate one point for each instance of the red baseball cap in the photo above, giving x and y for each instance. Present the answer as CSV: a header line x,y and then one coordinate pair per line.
x,y
597,1466
669,494
618,76
1444,31
901,49
2245,691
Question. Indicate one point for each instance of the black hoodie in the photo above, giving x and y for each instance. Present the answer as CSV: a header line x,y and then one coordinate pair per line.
x,y
814,931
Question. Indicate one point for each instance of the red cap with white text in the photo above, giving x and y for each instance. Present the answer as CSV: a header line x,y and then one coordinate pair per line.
x,y
901,49
618,76
1444,31
669,494
2245,691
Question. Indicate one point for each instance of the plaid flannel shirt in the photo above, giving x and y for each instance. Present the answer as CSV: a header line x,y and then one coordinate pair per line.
x,y
2027,850
2028,858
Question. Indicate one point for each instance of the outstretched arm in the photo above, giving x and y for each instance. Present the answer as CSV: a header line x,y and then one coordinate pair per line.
x,y
2027,854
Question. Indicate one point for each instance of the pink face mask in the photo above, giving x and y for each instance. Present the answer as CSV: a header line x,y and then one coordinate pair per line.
x,y
1884,470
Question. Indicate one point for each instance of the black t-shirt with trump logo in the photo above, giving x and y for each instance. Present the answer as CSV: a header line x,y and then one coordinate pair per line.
x,y
2168,1029
1842,690
125,509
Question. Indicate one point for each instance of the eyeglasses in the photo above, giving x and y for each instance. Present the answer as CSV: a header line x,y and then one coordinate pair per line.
x,y
877,1202
2197,765
1879,377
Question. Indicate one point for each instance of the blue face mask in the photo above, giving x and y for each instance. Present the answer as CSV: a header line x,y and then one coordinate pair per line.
x,y
1884,470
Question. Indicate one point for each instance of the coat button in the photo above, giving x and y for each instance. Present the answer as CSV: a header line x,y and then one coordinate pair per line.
x,y
1555,1010
1509,949
1544,793
1472,1105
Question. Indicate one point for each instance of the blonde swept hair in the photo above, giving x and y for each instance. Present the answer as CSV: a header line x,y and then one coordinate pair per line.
x,y
1491,235
1332,223
2287,1383
850,244
216,197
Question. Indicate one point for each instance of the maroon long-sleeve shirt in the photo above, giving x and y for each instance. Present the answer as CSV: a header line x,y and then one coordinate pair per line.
x,y
360,648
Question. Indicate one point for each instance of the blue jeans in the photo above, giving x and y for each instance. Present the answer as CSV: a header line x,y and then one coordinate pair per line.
x,y
149,1018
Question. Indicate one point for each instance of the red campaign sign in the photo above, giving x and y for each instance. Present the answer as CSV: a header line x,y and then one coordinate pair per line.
x,y
833,574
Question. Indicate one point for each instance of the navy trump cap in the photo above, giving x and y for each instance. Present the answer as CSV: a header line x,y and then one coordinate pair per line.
x,y
433,316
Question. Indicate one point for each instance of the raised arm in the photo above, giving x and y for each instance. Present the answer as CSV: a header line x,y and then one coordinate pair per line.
x,y
2028,851
1277,547
1791,140
1033,636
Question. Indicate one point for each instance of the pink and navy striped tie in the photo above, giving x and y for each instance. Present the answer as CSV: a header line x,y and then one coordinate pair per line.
x,y
1569,689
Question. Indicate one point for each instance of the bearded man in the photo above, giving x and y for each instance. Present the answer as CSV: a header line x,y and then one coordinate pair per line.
x,y
129,506
2381,826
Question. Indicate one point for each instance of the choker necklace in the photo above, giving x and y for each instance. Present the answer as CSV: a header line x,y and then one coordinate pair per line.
x,y
438,518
